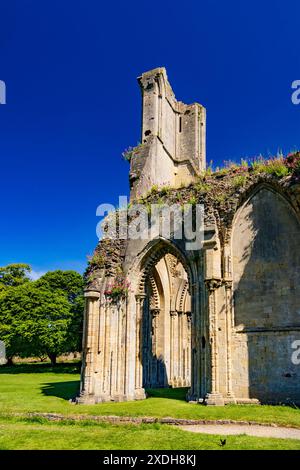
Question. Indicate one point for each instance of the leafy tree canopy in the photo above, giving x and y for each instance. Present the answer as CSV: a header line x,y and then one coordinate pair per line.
x,y
69,282
42,317
34,321
14,275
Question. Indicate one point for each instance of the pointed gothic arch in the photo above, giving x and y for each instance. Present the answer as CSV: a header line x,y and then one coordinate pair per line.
x,y
163,339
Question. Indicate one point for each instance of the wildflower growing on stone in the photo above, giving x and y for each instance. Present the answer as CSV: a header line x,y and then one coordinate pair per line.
x,y
117,289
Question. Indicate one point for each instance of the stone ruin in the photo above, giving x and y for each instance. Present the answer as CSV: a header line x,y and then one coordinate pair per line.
x,y
224,320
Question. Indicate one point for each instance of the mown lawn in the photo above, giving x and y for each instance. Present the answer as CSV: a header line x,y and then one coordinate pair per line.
x,y
40,388
38,434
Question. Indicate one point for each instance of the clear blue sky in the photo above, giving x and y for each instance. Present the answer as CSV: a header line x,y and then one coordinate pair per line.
x,y
73,103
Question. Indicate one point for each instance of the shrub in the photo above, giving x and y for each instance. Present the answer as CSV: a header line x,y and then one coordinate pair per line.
x,y
221,198
230,165
258,165
192,200
277,167
292,162
239,181
96,261
244,163
274,166
127,154
154,189
130,151
202,187
222,171
164,190
208,170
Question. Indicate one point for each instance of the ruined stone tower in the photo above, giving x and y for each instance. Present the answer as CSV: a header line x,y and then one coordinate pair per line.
x,y
172,150
222,319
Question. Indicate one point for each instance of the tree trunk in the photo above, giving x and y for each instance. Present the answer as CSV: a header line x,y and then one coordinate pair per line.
x,y
52,358
10,361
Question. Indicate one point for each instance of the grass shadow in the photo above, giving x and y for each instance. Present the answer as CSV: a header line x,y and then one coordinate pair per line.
x,y
170,393
38,368
65,390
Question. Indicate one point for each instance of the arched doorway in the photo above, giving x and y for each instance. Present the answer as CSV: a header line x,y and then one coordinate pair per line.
x,y
166,324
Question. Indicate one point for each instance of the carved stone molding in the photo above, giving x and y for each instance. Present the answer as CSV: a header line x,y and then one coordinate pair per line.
x,y
140,297
173,264
158,251
189,316
154,299
91,294
213,284
228,284
155,312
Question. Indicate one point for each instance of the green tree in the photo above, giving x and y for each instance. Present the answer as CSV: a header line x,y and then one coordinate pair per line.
x,y
14,275
71,284
34,321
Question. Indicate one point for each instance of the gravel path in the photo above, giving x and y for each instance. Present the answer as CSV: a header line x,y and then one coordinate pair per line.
x,y
250,430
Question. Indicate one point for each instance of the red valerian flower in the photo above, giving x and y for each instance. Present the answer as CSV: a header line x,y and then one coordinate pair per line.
x,y
117,289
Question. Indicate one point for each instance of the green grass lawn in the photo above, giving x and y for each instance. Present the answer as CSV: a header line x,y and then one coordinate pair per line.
x,y
40,388
42,435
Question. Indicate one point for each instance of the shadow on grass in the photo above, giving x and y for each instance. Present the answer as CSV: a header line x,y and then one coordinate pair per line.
x,y
170,393
65,390
38,368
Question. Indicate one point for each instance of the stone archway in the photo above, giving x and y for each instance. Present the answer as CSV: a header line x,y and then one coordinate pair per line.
x,y
166,335
163,340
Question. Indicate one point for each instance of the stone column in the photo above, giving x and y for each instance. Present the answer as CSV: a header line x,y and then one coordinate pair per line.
x,y
128,353
139,391
195,331
184,349
147,346
188,348
214,397
89,346
114,391
228,293
119,352
106,352
154,315
101,345
180,350
173,317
